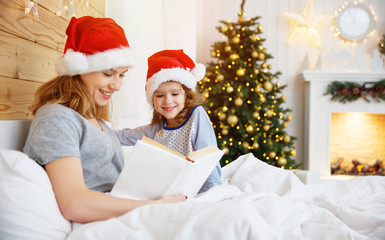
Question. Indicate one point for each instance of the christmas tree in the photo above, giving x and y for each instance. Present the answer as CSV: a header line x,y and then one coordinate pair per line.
x,y
244,99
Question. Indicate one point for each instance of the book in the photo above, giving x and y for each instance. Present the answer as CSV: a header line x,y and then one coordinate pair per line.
x,y
153,170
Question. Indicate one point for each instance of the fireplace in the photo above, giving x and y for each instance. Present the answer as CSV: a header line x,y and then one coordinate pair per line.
x,y
320,113
357,143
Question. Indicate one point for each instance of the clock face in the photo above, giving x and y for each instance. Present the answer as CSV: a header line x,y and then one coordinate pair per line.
x,y
355,22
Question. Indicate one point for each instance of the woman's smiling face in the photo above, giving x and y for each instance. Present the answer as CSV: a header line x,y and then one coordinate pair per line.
x,y
103,84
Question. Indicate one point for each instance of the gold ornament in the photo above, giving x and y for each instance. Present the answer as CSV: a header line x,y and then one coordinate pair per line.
x,y
283,98
224,28
229,89
222,116
272,154
263,65
241,19
281,161
225,131
220,77
286,138
240,72
206,94
224,109
269,66
206,79
228,48
261,56
238,102
262,99
255,115
254,54
266,128
227,150
268,86
285,124
289,117
260,28
249,129
254,38
255,145
213,54
256,71
269,113
233,56
236,40
293,152
245,145
232,119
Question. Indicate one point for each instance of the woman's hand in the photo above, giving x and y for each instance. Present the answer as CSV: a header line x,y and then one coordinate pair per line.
x,y
171,199
80,204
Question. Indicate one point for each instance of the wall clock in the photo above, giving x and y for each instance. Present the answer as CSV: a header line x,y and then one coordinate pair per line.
x,y
354,22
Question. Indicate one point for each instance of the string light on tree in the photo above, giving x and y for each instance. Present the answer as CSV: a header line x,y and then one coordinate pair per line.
x,y
246,104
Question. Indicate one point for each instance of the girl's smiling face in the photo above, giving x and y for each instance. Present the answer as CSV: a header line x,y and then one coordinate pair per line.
x,y
103,84
169,100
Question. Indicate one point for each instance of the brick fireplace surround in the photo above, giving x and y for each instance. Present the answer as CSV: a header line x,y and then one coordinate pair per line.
x,y
318,111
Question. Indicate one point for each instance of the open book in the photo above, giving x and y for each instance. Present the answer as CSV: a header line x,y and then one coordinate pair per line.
x,y
154,170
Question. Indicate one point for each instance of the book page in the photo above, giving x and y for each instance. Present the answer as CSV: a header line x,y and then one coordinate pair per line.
x,y
203,152
161,146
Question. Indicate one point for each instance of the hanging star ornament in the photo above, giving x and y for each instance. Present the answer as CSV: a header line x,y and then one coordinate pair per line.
x,y
306,25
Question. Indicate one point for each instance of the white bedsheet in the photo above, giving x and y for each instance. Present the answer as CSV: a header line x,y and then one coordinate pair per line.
x,y
260,202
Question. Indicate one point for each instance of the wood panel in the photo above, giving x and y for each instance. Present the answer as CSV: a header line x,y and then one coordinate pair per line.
x,y
29,50
15,98
48,31
22,59
96,8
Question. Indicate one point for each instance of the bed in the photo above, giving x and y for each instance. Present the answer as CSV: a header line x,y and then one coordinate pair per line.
x,y
260,202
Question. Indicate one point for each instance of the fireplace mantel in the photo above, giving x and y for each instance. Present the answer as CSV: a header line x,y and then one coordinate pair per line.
x,y
318,110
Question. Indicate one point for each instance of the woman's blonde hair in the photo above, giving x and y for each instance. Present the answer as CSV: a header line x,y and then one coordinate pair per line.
x,y
192,99
70,91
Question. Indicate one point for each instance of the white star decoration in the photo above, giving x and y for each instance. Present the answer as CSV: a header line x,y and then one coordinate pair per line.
x,y
306,25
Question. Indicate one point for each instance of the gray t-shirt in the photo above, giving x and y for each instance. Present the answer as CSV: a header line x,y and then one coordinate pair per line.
x,y
58,131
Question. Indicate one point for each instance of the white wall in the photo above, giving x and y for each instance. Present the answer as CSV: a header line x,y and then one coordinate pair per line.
x,y
152,25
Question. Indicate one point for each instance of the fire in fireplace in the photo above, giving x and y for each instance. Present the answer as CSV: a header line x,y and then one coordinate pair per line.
x,y
357,143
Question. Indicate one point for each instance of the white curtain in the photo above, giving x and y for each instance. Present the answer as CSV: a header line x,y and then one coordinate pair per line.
x,y
150,26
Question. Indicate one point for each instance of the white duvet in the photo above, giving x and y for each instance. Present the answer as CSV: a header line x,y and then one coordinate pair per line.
x,y
260,202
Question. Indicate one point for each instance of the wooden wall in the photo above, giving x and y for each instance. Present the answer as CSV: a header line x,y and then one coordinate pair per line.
x,y
29,50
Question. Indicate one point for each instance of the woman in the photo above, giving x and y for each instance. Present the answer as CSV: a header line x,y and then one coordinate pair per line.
x,y
69,136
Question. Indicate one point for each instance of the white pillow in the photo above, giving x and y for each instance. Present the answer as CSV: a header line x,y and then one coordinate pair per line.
x,y
28,208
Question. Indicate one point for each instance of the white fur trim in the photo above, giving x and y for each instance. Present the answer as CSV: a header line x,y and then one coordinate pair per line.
x,y
74,63
170,74
199,71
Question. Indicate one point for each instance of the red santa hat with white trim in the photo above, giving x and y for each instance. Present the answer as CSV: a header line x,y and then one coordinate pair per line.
x,y
172,65
93,44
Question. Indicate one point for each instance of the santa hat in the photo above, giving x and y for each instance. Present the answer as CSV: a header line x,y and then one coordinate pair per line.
x,y
93,44
172,65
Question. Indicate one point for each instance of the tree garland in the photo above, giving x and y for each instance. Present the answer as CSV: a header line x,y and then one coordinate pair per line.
x,y
351,91
381,45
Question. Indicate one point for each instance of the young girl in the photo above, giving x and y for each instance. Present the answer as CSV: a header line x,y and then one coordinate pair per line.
x,y
69,137
179,121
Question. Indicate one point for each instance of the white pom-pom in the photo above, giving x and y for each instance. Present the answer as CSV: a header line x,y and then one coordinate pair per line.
x,y
199,71
72,63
